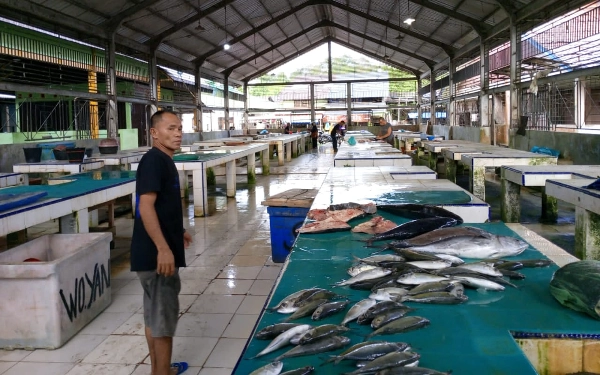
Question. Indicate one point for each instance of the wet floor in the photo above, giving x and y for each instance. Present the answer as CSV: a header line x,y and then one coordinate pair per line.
x,y
225,286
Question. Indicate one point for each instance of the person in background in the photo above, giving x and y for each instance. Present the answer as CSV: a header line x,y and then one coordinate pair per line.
x,y
385,132
159,240
337,129
314,134
286,130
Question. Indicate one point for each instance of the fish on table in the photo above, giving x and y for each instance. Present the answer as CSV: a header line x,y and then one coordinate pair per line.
x,y
406,370
438,235
274,330
273,368
328,309
321,332
357,310
413,228
405,324
321,346
366,275
283,339
368,351
389,360
418,211
376,225
300,371
388,317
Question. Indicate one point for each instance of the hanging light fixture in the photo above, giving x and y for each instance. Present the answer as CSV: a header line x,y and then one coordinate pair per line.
x,y
199,27
409,20
400,36
226,46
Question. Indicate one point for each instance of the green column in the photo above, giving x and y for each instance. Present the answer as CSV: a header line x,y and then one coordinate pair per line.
x,y
510,207
450,169
128,107
587,234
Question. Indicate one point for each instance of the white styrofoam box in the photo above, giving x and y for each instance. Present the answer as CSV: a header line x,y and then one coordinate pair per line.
x,y
53,299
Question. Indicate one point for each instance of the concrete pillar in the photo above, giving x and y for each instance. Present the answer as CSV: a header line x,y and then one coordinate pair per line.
x,y
198,110
329,72
313,116
433,157
348,104
450,165
510,207
549,208
93,105
111,90
294,145
251,168
230,176
432,96
200,186
580,98
587,237
76,222
128,121
484,111
264,160
450,110
245,126
288,151
477,181
515,56
226,100
153,82
280,152
419,101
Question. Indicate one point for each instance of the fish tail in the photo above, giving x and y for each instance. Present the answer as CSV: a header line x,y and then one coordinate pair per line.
x,y
333,358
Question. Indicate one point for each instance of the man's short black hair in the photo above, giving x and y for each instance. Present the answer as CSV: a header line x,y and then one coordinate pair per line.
x,y
156,117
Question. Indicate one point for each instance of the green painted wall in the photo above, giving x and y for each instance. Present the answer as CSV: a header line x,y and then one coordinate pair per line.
x,y
128,139
580,148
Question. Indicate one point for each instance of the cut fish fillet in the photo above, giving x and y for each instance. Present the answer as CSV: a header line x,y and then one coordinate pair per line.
x,y
324,226
375,226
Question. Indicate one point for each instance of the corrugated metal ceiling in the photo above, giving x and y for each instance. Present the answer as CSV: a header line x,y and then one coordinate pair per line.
x,y
192,32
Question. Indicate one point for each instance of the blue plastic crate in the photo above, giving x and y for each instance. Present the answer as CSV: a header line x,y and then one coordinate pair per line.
x,y
284,221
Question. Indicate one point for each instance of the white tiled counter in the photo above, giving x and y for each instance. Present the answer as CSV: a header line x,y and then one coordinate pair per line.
x,y
587,213
12,179
288,141
58,166
515,176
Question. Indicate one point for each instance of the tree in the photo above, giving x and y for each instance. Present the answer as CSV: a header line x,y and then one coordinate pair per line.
x,y
269,90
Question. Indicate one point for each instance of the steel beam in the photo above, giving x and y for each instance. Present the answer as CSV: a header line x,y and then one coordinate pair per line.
x,y
115,22
479,27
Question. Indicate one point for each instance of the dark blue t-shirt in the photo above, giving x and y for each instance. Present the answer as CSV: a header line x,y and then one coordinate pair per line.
x,y
157,173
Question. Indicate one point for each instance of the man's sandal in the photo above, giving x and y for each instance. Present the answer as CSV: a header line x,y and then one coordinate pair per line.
x,y
180,366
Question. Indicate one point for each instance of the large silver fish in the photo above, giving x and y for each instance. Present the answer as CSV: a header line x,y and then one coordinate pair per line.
x,y
284,339
274,330
477,247
481,267
388,294
418,278
291,298
388,317
320,346
273,368
440,298
368,351
478,282
355,270
358,309
440,235
306,310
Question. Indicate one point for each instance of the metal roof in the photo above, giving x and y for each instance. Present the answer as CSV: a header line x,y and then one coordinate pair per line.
x,y
264,34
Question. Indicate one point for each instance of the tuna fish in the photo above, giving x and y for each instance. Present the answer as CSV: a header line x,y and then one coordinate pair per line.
x,y
355,270
388,317
291,298
477,247
418,211
388,294
440,235
320,346
431,264
419,278
435,286
307,309
300,371
413,228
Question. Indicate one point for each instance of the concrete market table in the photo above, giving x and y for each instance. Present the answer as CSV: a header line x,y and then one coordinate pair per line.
x,y
498,157
122,159
210,158
288,141
479,336
69,199
13,179
370,154
58,166
515,176
587,213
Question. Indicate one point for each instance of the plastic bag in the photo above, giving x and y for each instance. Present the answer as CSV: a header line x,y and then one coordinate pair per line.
x,y
351,141
545,150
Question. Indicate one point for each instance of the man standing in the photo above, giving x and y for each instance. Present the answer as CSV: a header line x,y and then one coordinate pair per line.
x,y
159,240
334,133
385,132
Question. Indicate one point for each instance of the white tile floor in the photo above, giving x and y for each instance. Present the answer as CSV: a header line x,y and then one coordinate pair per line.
x,y
224,289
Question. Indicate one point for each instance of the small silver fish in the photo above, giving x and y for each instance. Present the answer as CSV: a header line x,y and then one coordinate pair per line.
x,y
273,368
366,275
388,294
431,264
357,310
482,268
479,283
355,270
284,339
418,278
320,346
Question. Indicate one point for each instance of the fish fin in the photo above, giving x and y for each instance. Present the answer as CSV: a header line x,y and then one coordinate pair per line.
x,y
332,358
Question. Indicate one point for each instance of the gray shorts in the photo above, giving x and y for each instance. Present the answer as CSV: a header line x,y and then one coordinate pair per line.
x,y
161,302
